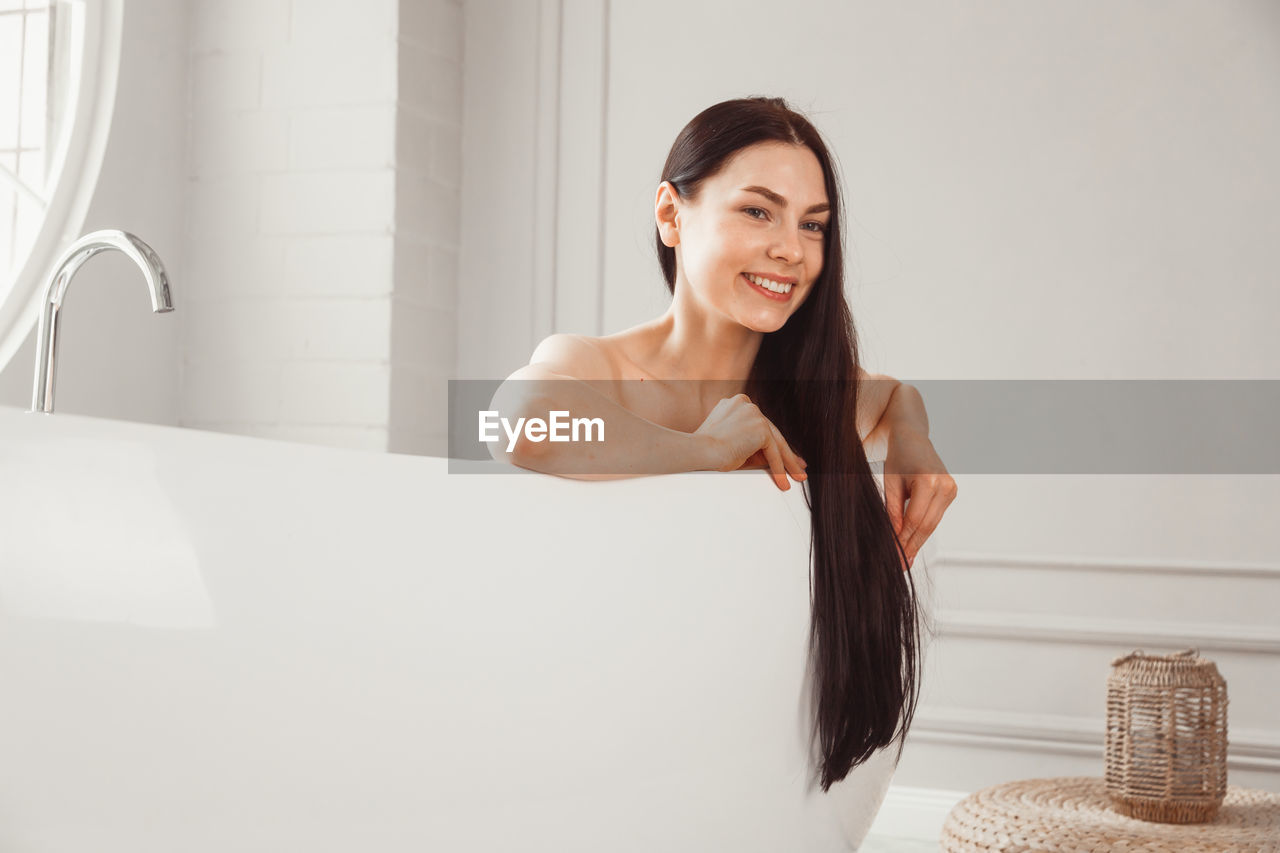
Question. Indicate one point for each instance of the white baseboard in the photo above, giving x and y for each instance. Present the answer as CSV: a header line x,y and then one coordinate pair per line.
x,y
915,813
1218,569
1055,628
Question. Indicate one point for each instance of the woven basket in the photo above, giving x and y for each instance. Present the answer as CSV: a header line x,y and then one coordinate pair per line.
x,y
1166,737
1075,815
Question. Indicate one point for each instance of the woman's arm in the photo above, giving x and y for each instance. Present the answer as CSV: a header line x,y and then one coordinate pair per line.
x,y
905,412
875,393
918,488
632,446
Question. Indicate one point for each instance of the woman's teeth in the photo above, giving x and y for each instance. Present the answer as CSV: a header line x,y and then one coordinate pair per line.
x,y
767,284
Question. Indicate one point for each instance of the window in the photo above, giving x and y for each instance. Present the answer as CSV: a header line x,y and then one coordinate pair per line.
x,y
58,66
24,98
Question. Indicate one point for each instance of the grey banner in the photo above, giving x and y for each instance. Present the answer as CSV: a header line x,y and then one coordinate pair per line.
x,y
977,426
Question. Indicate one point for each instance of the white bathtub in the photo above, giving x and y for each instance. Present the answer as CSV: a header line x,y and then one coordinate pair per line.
x,y
215,643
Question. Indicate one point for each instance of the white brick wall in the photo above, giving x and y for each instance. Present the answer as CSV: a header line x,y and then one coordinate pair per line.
x,y
322,230
349,137
428,159
340,265
243,24
328,202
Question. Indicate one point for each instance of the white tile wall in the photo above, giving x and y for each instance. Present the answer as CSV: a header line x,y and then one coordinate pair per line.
x,y
430,82
422,338
222,82
428,219
336,392
415,139
328,202
241,142
247,25
436,25
425,209
324,165
420,401
281,328
427,275
321,76
446,156
224,206
328,26
230,392
226,265
351,137
340,265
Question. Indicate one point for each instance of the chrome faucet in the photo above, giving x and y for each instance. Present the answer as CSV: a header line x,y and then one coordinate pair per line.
x,y
56,290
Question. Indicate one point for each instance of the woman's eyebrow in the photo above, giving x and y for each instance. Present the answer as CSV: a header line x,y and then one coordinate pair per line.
x,y
782,202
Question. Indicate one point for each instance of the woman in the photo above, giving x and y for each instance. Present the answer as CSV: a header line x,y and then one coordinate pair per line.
x,y
756,364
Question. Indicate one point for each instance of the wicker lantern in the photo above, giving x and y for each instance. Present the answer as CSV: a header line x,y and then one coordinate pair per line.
x,y
1166,737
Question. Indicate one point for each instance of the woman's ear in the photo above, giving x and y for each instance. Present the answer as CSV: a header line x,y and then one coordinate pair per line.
x,y
667,214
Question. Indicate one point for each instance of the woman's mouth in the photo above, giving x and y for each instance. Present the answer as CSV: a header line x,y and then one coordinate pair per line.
x,y
775,290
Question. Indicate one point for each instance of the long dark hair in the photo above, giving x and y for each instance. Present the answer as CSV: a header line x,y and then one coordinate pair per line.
x,y
864,633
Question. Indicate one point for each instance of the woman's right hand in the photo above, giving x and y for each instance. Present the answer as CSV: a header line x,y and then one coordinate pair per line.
x,y
739,434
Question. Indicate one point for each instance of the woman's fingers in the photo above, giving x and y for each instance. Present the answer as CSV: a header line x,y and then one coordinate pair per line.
x,y
795,467
736,422
915,524
907,500
893,500
773,455
931,494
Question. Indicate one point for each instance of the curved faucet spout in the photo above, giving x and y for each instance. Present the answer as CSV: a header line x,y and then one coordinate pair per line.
x,y
56,290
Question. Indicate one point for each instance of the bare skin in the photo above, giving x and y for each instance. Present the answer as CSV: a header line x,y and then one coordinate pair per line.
x,y
763,215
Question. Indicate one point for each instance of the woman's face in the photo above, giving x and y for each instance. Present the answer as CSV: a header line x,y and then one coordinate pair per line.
x,y
762,216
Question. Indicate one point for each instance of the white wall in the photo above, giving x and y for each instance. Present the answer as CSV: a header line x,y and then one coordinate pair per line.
x,y
428,224
325,161
533,178
297,166
1036,191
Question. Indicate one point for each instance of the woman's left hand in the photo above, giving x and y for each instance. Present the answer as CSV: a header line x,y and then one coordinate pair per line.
x,y
915,478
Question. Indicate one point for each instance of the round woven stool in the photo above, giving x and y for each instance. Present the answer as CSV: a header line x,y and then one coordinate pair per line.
x,y
1075,815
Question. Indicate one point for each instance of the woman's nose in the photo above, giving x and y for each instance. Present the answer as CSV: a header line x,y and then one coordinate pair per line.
x,y
788,248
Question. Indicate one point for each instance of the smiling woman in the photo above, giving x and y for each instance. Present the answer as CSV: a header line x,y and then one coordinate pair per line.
x,y
755,364
750,237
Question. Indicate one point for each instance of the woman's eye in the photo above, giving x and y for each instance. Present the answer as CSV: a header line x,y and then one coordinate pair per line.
x,y
761,213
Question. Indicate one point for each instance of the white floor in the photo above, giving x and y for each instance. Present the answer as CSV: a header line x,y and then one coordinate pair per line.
x,y
910,820
887,844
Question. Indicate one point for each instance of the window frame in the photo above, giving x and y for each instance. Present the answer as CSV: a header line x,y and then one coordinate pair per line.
x,y
74,162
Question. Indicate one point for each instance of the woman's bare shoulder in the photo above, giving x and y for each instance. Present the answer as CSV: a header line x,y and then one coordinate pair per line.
x,y
579,356
611,357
